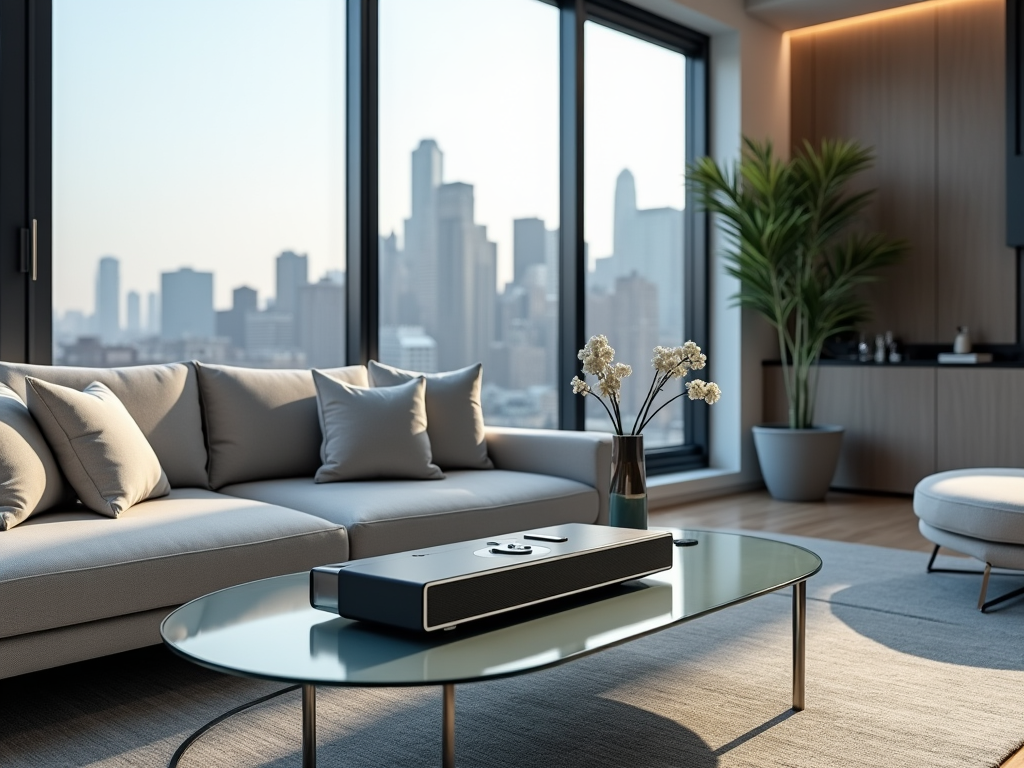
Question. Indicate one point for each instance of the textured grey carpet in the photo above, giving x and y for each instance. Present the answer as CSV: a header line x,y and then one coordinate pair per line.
x,y
901,671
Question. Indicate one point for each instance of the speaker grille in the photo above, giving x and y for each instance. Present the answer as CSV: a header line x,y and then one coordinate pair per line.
x,y
456,601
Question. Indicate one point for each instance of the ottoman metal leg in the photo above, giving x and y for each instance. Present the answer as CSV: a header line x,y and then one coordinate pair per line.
x,y
982,605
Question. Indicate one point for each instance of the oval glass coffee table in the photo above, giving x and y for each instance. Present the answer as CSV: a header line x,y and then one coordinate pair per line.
x,y
266,629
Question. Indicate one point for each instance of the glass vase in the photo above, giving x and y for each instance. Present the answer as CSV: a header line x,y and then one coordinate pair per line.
x,y
628,498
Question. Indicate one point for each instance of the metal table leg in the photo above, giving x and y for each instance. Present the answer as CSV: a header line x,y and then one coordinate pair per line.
x,y
308,726
799,642
448,727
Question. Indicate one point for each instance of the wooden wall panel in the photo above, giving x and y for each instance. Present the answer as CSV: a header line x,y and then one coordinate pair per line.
x,y
925,88
875,82
889,416
801,101
977,283
980,422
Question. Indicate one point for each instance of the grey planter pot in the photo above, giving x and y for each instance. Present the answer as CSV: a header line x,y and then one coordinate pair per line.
x,y
798,464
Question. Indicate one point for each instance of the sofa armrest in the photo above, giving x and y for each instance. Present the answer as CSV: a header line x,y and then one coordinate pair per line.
x,y
585,457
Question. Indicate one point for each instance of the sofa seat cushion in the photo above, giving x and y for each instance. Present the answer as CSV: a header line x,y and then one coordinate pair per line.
x,y
62,568
981,503
163,400
398,515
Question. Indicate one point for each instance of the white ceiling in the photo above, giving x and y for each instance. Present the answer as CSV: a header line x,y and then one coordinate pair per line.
x,y
793,14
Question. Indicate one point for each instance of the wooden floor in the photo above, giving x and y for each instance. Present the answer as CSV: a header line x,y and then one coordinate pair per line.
x,y
885,521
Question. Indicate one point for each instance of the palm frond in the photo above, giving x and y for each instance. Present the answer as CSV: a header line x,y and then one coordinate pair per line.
x,y
785,226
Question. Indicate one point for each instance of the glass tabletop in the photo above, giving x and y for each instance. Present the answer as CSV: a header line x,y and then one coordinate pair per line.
x,y
267,629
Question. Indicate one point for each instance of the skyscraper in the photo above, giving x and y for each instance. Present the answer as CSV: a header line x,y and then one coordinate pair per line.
x,y
634,318
231,322
186,300
108,300
660,236
322,323
153,313
648,242
529,246
466,275
292,274
625,245
421,233
134,314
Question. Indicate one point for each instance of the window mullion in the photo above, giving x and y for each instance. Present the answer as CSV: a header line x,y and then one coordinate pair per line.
x,y
572,256
361,172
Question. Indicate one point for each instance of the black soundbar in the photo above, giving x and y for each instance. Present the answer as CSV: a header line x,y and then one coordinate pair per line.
x,y
442,587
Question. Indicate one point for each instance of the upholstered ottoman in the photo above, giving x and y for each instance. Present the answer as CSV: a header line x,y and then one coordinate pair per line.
x,y
978,512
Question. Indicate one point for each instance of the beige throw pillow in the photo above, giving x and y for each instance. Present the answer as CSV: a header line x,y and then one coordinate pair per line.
x,y
455,417
101,449
30,480
372,433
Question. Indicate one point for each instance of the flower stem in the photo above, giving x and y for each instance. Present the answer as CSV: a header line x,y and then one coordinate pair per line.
x,y
648,421
651,394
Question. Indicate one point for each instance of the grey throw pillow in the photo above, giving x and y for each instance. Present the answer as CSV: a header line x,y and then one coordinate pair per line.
x,y
101,449
455,418
371,433
262,424
30,480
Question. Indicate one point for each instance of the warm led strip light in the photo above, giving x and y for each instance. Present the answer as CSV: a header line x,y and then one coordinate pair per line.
x,y
881,15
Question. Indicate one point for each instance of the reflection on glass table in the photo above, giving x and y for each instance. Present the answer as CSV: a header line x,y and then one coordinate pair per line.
x,y
267,629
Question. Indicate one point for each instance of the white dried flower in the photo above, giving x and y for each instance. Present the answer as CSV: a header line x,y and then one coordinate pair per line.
x,y
707,391
580,387
611,383
678,361
597,356
692,354
666,359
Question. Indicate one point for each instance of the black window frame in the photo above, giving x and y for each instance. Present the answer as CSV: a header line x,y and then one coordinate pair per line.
x,y
26,190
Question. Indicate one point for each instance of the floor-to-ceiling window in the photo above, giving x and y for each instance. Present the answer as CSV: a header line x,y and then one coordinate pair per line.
x,y
635,140
207,154
469,196
198,182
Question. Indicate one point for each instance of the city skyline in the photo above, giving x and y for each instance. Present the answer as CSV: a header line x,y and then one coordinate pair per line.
x,y
224,158
440,304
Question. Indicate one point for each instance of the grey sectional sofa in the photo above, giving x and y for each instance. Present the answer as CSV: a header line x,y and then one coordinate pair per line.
x,y
240,448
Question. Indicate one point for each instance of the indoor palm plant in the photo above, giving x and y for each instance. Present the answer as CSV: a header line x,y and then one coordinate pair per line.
x,y
799,264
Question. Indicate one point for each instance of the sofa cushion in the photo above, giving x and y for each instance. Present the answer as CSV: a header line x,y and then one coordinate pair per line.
x,y
163,400
62,568
396,515
373,433
101,449
30,480
263,424
455,417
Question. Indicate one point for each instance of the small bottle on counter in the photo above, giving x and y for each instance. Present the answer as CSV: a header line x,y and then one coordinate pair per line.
x,y
962,342
880,348
863,350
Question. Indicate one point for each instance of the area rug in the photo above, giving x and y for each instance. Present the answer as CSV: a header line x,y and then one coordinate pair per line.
x,y
902,670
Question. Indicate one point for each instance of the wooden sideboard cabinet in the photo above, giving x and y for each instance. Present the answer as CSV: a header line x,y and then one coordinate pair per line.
x,y
889,416
906,422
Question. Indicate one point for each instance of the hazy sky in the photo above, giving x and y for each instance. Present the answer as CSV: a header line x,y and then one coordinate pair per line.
x,y
210,133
